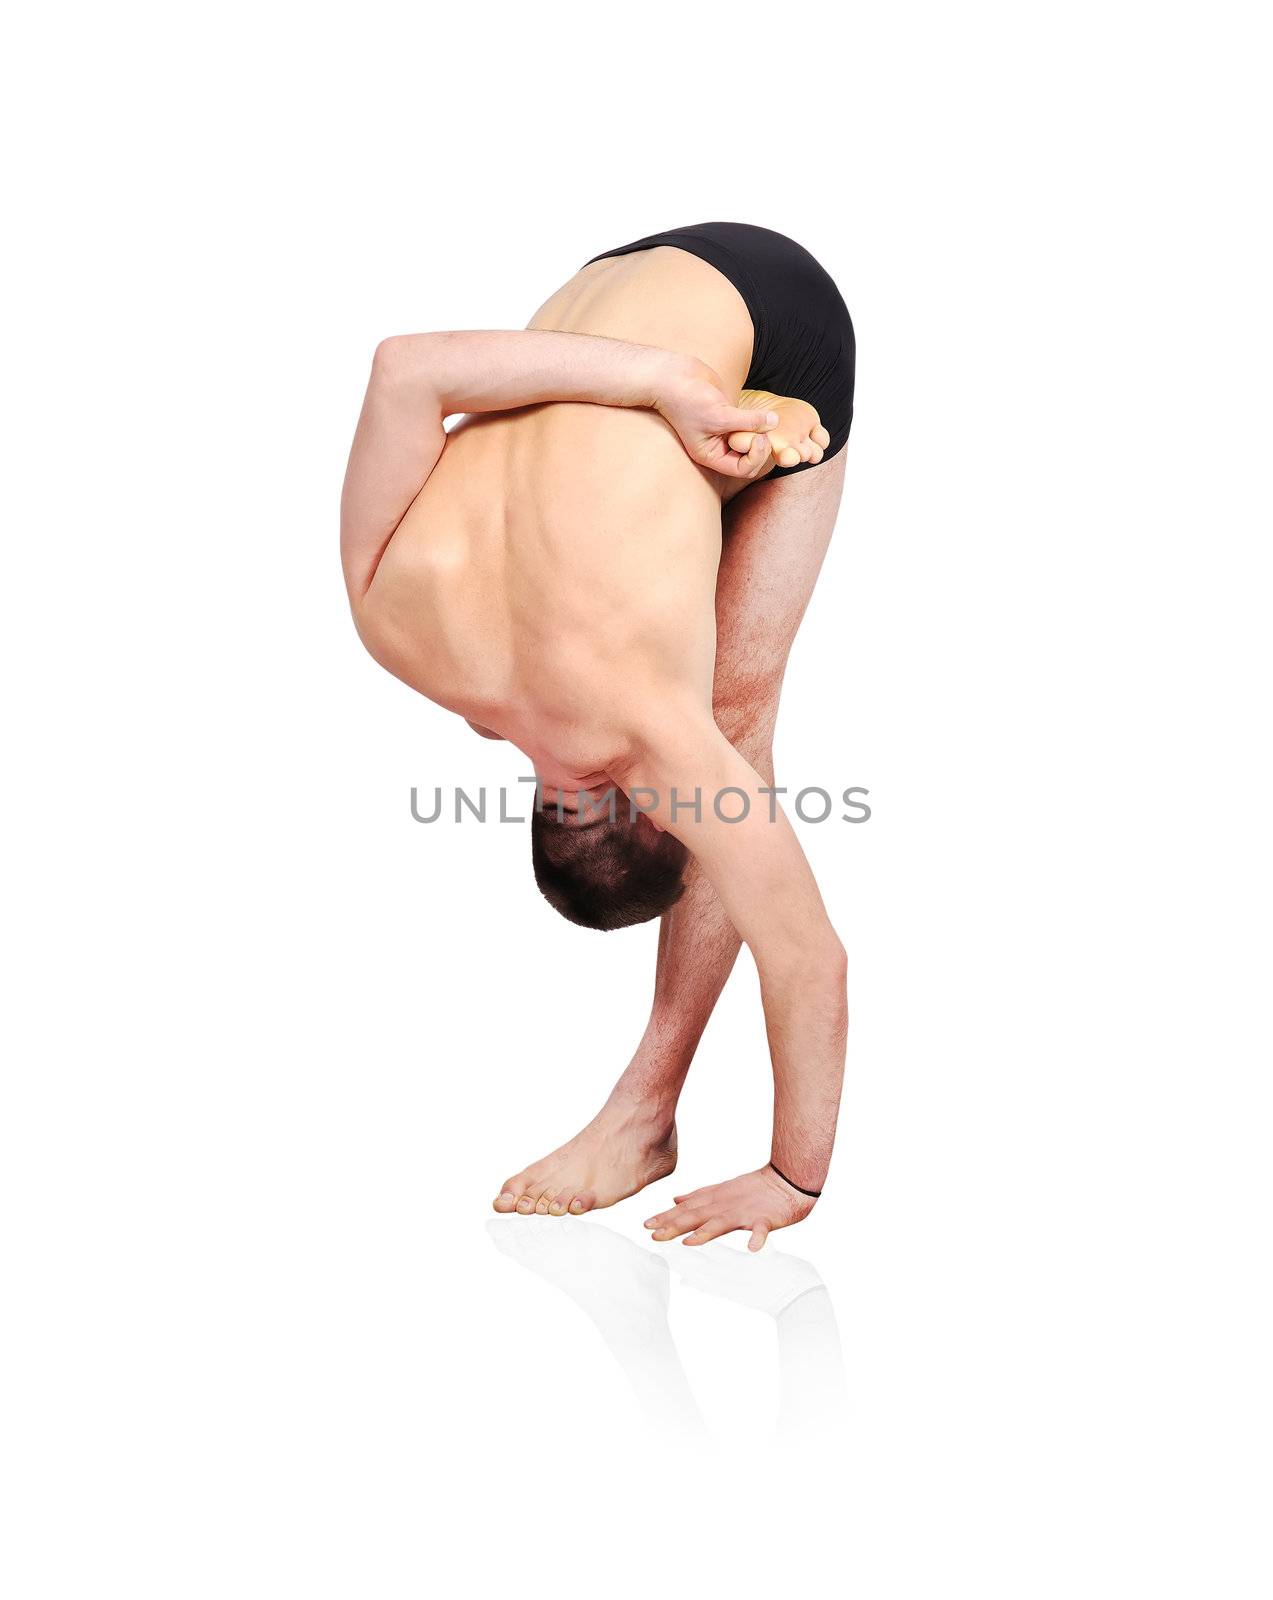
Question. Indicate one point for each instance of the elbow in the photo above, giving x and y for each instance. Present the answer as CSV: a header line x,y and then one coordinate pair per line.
x,y
401,362
826,959
810,981
390,360
815,963
836,966
832,986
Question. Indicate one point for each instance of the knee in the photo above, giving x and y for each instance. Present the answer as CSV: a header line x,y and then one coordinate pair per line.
x,y
746,713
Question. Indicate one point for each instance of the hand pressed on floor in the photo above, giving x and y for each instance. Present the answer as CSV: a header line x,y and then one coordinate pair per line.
x,y
759,1201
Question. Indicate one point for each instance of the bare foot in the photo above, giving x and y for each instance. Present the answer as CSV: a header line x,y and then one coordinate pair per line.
x,y
799,435
622,1149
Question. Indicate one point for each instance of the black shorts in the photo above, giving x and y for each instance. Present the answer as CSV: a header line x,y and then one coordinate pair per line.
x,y
802,342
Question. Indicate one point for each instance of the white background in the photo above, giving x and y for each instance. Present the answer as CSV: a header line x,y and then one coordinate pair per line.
x,y
274,1045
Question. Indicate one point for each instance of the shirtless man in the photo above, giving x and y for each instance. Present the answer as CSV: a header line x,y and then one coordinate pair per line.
x,y
605,562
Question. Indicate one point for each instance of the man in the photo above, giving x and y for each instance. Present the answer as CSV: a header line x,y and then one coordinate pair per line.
x,y
605,562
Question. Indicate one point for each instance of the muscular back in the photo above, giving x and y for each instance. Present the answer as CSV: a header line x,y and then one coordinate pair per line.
x,y
560,562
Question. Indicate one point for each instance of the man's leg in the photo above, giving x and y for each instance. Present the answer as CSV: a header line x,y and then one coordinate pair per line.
x,y
775,537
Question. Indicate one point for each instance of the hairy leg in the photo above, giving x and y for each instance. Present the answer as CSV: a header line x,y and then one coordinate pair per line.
x,y
775,537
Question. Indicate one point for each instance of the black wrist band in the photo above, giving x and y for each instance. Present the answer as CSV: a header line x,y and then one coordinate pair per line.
x,y
814,1194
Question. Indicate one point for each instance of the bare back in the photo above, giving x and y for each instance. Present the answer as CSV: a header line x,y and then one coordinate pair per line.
x,y
561,559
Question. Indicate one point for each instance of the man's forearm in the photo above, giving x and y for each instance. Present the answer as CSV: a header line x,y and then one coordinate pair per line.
x,y
806,1010
417,379
806,1017
768,892
500,371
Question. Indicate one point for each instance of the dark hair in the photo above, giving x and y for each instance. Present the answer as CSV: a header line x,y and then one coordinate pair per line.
x,y
611,873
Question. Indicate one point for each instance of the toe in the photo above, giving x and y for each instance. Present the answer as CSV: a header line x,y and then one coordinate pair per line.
x,y
819,435
505,1201
741,442
560,1203
541,1205
582,1203
525,1205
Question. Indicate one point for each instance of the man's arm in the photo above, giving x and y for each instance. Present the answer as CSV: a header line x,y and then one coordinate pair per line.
x,y
775,537
756,866
418,379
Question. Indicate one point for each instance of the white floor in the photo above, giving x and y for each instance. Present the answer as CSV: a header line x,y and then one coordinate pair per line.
x,y
266,1339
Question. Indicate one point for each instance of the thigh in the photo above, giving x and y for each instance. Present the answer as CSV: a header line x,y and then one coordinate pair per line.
x,y
776,534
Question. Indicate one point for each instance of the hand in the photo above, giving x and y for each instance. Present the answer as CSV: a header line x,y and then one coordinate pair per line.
x,y
797,436
694,401
760,1201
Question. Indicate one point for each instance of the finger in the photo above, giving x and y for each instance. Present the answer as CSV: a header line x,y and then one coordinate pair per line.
x,y
697,1198
660,1218
726,463
758,1236
734,420
753,464
682,1220
708,1231
757,457
819,435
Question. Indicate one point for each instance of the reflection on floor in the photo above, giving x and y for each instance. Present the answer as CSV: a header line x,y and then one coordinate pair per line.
x,y
625,1288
